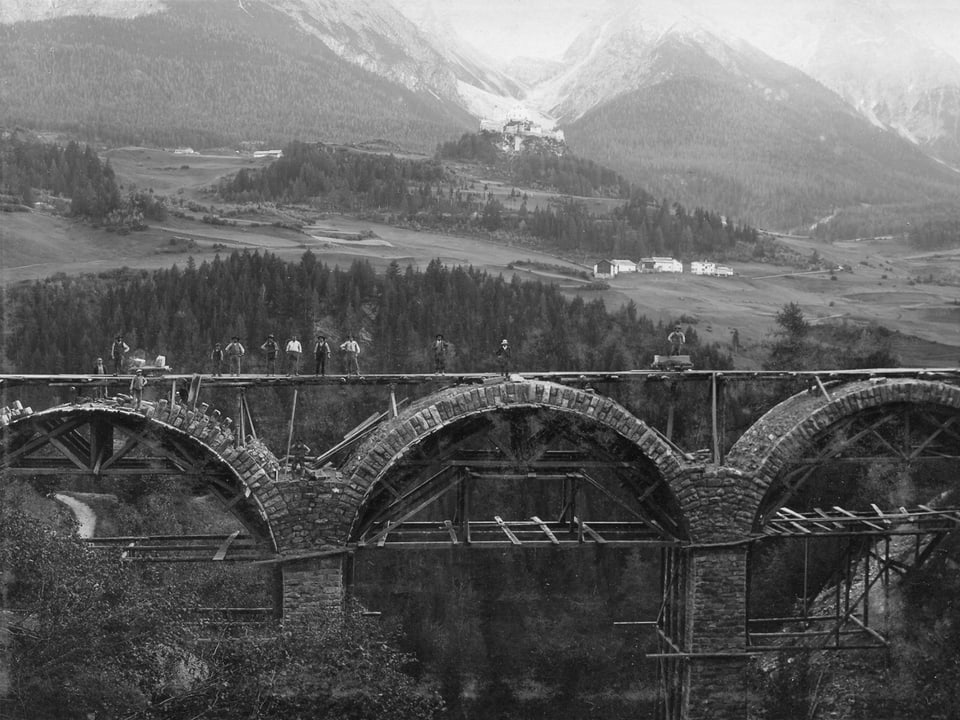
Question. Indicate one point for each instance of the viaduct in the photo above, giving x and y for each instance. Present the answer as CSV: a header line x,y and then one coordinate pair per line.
x,y
405,478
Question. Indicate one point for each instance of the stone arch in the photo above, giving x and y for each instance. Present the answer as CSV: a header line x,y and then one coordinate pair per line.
x,y
782,435
452,411
203,439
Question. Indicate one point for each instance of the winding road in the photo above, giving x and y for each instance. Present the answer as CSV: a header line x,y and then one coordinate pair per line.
x,y
86,518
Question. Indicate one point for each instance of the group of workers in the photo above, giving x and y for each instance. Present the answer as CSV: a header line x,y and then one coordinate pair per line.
x,y
234,352
292,353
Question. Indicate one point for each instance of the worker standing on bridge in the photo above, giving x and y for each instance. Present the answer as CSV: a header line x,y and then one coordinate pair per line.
x,y
440,355
99,369
351,348
503,357
271,347
294,349
321,351
234,352
216,357
676,340
117,351
136,388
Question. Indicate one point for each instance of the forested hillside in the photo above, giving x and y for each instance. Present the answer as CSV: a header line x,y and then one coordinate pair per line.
x,y
62,324
537,165
340,179
187,77
72,171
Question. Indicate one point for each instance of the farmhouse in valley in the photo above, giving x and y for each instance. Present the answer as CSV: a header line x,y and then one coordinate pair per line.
x,y
604,269
660,264
706,267
612,268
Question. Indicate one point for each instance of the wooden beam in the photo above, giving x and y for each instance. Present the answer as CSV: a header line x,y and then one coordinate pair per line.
x,y
70,450
506,530
587,530
409,495
857,517
546,530
48,431
133,439
453,532
222,550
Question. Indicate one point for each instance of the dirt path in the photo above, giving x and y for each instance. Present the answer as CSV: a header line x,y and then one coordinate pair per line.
x,y
86,518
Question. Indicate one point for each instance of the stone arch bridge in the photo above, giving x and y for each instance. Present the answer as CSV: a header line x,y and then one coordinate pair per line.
x,y
412,476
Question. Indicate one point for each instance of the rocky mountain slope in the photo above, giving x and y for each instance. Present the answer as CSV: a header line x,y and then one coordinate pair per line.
x,y
665,94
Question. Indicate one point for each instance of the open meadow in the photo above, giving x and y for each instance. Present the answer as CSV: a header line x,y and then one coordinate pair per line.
x,y
915,294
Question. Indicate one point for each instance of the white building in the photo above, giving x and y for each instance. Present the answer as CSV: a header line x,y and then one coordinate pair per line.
x,y
623,266
660,264
706,267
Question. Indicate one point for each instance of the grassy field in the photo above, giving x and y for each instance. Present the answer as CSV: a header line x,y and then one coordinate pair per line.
x,y
883,287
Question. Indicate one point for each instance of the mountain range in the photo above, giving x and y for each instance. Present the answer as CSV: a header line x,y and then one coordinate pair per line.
x,y
866,114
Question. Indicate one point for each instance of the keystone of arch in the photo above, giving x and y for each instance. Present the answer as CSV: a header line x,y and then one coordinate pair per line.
x,y
785,432
387,446
253,466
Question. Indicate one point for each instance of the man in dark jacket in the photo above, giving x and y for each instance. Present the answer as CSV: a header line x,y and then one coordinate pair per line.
x,y
503,357
321,351
117,351
271,347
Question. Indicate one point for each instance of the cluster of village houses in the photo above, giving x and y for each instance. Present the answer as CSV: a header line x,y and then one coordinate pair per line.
x,y
612,268
274,154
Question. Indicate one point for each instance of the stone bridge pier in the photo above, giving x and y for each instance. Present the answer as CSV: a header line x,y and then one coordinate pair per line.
x,y
710,655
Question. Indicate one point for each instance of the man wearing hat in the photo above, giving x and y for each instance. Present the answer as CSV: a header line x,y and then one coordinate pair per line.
x,y
271,347
234,351
99,369
503,357
321,351
216,357
117,351
676,340
136,387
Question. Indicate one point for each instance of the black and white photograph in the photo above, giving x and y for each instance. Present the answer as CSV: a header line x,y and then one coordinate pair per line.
x,y
479,360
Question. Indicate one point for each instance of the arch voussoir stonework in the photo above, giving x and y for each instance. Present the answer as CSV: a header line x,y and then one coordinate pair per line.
x,y
386,446
780,437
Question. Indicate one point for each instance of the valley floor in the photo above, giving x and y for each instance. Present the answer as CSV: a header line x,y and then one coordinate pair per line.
x,y
917,295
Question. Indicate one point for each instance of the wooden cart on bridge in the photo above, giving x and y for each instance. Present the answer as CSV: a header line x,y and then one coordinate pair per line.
x,y
671,362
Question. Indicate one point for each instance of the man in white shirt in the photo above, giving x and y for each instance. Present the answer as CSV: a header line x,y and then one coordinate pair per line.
x,y
234,351
294,351
352,349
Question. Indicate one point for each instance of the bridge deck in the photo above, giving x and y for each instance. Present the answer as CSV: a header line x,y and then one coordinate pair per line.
x,y
565,377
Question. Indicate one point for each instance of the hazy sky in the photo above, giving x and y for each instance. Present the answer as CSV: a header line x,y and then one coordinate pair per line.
x,y
544,28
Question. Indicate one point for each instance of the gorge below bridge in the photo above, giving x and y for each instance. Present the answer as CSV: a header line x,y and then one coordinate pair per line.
x,y
776,454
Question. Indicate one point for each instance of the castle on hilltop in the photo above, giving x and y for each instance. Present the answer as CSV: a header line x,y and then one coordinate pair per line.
x,y
518,130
